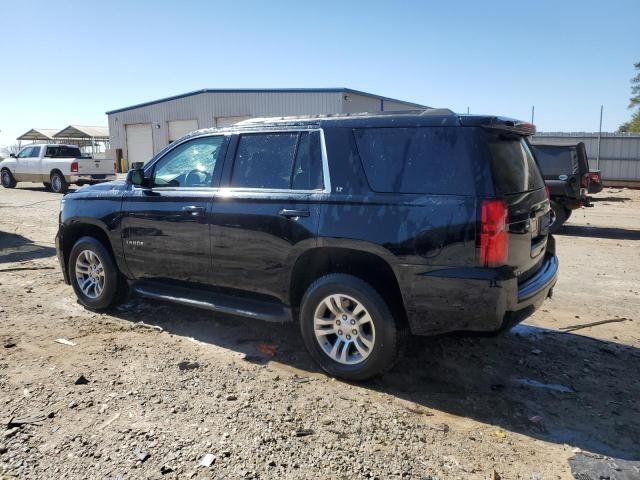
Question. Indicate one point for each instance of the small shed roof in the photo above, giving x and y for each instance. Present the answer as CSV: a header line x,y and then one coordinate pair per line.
x,y
78,132
38,134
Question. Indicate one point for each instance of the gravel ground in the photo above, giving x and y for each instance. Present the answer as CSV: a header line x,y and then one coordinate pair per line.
x,y
128,401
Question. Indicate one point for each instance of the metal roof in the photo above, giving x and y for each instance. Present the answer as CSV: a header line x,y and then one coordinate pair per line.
x,y
38,134
267,90
83,131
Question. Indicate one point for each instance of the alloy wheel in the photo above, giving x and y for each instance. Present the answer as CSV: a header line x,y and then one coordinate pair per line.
x,y
90,274
344,329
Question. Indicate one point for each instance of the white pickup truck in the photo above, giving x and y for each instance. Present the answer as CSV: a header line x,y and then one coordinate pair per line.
x,y
56,166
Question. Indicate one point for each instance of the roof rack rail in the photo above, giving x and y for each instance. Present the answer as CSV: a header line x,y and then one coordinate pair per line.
x,y
293,118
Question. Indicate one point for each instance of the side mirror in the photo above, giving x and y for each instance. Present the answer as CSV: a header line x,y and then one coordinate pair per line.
x,y
136,177
12,155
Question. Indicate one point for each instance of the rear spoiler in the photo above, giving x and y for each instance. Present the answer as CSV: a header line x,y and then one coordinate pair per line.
x,y
499,123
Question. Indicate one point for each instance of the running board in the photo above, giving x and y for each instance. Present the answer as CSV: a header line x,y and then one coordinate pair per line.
x,y
215,301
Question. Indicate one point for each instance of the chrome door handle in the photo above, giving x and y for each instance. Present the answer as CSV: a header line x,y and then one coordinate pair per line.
x,y
289,213
193,210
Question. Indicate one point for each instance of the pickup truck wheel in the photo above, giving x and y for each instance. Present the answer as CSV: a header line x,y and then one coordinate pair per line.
x,y
8,181
561,213
348,328
58,183
94,276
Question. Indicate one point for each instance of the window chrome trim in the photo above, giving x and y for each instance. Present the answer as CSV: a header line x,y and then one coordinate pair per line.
x,y
326,179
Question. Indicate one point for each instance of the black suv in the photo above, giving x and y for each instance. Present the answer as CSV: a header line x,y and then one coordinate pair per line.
x,y
362,228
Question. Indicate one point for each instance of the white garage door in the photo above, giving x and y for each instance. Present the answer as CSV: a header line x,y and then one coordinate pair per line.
x,y
178,128
139,143
228,121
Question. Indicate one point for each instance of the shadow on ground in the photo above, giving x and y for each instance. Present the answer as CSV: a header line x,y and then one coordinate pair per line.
x,y
610,199
599,232
558,387
16,248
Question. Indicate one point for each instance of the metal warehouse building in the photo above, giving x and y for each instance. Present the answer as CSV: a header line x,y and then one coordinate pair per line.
x,y
138,132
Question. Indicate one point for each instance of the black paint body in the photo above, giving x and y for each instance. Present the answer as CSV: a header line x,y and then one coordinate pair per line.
x,y
237,241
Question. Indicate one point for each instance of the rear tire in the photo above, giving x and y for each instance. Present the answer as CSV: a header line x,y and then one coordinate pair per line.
x,y
562,215
94,275
7,178
349,329
58,183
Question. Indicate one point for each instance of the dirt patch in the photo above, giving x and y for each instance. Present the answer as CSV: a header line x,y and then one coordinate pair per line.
x,y
203,396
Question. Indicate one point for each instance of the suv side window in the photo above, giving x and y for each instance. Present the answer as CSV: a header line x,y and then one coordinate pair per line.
x,y
279,160
434,160
190,164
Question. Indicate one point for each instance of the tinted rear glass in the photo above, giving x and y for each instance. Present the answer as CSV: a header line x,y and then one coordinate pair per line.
x,y
63,152
513,165
557,160
416,160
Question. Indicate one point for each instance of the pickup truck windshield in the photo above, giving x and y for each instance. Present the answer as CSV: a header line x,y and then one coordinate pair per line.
x,y
63,152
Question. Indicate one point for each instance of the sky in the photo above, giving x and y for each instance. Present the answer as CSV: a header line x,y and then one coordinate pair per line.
x,y
68,62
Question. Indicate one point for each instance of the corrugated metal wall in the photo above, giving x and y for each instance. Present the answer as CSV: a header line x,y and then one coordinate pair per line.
x,y
206,107
619,153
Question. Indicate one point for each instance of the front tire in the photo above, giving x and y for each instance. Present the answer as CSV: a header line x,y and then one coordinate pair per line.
x,y
8,180
93,273
349,329
58,183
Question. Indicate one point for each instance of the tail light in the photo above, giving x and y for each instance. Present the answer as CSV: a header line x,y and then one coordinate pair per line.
x,y
74,167
494,241
595,177
584,180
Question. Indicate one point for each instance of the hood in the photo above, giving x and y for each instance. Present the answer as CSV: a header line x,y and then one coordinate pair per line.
x,y
117,185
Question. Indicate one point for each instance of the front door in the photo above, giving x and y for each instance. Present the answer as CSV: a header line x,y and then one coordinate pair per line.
x,y
165,230
22,164
267,211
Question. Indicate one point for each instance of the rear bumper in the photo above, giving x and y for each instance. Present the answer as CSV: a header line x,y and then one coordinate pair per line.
x,y
105,177
473,299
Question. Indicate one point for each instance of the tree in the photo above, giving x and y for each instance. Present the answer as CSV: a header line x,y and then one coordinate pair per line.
x,y
633,125
634,101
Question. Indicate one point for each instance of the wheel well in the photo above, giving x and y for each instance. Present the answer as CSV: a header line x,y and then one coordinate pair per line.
x,y
367,266
75,232
55,170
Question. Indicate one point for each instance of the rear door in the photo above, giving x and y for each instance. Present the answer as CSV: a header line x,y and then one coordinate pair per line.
x,y
165,230
517,179
267,212
560,169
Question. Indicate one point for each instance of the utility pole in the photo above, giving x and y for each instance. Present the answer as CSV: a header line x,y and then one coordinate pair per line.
x,y
599,138
467,110
533,111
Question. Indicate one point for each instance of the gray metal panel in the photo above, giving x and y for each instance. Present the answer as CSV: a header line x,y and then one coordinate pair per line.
x,y
205,107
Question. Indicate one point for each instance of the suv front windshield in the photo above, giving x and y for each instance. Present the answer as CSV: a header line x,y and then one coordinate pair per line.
x,y
63,151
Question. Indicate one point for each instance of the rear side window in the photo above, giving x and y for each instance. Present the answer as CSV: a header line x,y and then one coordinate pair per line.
x,y
63,152
282,161
416,160
513,166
